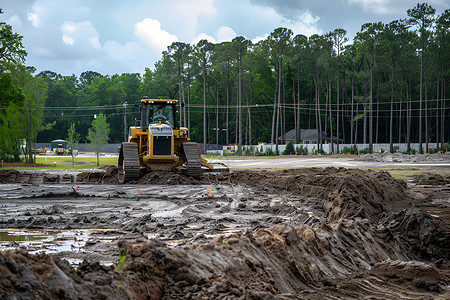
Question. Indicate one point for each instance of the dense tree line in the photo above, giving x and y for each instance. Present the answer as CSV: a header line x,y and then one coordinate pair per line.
x,y
388,85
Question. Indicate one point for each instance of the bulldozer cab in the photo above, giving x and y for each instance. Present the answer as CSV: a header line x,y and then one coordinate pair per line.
x,y
158,112
162,114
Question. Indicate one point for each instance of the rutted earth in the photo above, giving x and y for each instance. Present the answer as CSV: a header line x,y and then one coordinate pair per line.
x,y
290,234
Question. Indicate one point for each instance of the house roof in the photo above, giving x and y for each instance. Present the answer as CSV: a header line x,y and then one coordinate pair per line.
x,y
308,134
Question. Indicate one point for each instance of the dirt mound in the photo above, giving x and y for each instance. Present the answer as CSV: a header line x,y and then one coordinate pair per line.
x,y
403,158
108,174
432,179
169,178
25,165
345,192
8,175
15,176
350,259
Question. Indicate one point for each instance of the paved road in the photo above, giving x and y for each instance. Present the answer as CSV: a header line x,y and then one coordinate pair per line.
x,y
284,163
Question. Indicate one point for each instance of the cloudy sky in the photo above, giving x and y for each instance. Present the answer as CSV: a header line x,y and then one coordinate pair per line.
x,y
112,36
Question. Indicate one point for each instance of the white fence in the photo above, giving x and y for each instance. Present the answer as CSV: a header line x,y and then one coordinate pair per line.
x,y
262,148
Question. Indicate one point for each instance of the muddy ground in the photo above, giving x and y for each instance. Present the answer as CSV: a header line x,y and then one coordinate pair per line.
x,y
318,233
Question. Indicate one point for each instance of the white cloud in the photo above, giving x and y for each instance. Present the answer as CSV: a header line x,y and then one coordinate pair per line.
x,y
191,10
150,32
259,38
83,32
34,16
225,33
68,40
203,36
307,25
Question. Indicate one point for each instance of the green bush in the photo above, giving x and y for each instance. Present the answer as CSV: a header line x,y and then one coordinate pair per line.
x,y
352,150
432,150
411,151
319,151
269,152
364,151
302,150
290,150
446,147
249,151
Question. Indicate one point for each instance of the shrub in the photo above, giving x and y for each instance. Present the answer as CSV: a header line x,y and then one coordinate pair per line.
x,y
352,150
249,151
411,151
319,151
289,149
270,152
302,150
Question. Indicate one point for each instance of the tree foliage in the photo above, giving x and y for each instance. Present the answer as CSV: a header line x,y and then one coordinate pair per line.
x,y
387,85
98,135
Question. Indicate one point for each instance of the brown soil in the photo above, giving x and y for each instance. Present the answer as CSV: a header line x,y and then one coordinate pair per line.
x,y
25,165
370,238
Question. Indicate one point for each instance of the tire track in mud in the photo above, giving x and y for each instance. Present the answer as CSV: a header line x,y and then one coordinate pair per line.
x,y
366,237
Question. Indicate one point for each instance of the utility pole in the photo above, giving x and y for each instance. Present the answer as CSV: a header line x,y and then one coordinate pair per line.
x,y
125,137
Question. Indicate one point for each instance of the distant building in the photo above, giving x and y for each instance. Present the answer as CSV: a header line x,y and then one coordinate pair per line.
x,y
309,136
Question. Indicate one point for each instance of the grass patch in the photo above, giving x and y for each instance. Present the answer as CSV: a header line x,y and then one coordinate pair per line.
x,y
65,162
409,173
233,157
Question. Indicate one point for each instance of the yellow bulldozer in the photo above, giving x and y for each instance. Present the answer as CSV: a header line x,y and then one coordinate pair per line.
x,y
158,143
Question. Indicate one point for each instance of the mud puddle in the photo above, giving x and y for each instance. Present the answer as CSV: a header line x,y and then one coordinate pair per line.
x,y
69,244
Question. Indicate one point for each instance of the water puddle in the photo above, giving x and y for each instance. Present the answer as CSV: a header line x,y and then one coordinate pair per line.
x,y
40,240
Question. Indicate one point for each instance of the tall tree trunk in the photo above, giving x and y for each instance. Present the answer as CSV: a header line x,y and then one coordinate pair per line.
x,y
272,140
356,125
325,129
237,113
391,113
337,106
318,117
283,119
378,109
189,105
371,111
351,113
437,111
365,114
443,112
205,130
409,112
279,104
420,100
217,113
427,136
227,137
240,105
299,126
249,118
331,116
294,98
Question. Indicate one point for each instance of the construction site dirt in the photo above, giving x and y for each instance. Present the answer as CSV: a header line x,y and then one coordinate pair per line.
x,y
309,233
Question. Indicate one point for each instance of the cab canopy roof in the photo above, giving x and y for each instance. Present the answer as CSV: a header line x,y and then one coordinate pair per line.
x,y
168,101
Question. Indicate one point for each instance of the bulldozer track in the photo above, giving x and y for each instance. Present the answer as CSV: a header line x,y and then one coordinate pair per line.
x,y
194,162
129,165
